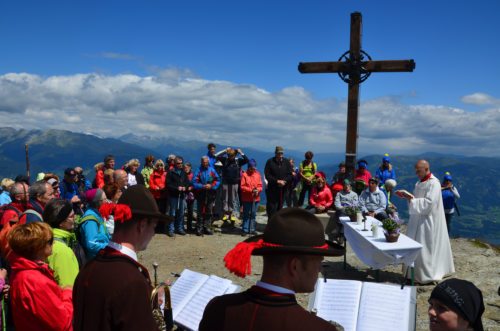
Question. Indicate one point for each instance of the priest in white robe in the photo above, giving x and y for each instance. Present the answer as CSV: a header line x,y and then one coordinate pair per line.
x,y
427,226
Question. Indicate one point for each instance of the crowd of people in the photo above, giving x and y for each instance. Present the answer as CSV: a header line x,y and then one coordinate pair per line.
x,y
63,242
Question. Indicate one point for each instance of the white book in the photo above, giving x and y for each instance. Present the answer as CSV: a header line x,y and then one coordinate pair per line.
x,y
365,306
191,293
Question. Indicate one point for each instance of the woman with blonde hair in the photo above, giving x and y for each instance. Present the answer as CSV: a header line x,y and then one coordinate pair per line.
x,y
134,176
38,303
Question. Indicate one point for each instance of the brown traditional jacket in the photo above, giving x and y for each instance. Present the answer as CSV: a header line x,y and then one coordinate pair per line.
x,y
259,309
112,292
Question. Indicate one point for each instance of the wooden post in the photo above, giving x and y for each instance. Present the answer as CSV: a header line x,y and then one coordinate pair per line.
x,y
354,69
27,162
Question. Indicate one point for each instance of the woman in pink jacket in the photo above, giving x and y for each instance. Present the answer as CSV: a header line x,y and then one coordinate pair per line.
x,y
251,186
38,303
321,198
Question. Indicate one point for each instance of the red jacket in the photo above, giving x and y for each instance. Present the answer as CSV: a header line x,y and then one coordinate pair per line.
x,y
157,184
364,176
248,184
38,303
99,178
321,198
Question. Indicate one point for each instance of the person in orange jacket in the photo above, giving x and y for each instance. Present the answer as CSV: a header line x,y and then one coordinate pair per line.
x,y
251,187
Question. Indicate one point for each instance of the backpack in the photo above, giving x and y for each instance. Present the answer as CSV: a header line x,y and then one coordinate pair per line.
x,y
4,208
313,168
78,231
37,216
77,250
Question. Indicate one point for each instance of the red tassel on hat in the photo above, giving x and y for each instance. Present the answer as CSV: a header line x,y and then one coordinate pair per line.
x,y
120,212
238,259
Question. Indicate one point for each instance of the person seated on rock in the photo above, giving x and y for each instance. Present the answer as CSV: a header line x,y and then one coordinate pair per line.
x,y
455,305
373,201
385,171
343,199
321,197
361,176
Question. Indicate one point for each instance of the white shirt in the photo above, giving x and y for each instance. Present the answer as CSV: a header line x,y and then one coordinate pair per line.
x,y
131,180
274,288
124,250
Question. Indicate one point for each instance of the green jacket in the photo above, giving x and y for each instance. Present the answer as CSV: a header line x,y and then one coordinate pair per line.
x,y
146,173
63,260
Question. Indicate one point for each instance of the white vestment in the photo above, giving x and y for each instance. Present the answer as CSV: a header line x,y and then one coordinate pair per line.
x,y
427,226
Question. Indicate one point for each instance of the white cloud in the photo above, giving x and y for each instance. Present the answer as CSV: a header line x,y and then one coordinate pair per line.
x,y
117,56
480,99
176,103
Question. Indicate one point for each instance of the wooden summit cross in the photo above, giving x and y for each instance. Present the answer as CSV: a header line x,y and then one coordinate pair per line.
x,y
354,67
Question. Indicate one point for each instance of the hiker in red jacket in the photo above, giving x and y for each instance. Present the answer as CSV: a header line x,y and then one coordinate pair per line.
x,y
38,303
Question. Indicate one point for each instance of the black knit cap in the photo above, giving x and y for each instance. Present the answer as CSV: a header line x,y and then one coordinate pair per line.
x,y
462,297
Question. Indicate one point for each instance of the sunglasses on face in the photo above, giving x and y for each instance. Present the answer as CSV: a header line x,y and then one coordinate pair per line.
x,y
50,241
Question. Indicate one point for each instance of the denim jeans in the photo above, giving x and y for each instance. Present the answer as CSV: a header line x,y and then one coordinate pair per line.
x,y
249,210
174,203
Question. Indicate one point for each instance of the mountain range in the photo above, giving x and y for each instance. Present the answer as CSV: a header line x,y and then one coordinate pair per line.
x,y
477,178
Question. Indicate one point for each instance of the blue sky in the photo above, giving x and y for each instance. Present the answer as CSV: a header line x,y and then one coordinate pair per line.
x,y
175,65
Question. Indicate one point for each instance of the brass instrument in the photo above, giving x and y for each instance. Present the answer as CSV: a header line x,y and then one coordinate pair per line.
x,y
160,296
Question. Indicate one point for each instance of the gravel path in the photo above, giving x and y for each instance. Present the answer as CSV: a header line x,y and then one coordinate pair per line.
x,y
476,262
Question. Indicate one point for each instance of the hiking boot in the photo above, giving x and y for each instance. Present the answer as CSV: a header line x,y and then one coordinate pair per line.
x,y
181,232
170,234
207,231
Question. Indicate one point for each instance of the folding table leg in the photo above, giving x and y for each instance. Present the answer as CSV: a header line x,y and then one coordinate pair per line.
x,y
345,252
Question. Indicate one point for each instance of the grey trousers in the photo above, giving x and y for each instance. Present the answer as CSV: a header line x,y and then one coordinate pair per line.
x,y
230,198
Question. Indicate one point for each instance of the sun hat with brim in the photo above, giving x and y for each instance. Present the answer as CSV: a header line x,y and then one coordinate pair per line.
x,y
141,203
290,231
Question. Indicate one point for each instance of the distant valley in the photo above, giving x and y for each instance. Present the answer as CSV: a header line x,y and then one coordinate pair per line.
x,y
477,178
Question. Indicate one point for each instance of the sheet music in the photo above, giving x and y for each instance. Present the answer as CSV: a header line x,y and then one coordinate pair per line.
x,y
184,288
384,307
338,300
232,288
190,316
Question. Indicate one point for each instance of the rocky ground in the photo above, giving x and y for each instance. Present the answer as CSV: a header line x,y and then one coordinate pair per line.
x,y
474,261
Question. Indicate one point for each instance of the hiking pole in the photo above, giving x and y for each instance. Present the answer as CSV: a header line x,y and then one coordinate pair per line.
x,y
27,162
155,266
178,204
252,215
456,207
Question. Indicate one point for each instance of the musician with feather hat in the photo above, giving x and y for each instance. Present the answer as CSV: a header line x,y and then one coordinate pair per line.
x,y
293,246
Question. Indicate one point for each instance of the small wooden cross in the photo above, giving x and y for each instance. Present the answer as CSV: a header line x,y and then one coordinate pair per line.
x,y
354,67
